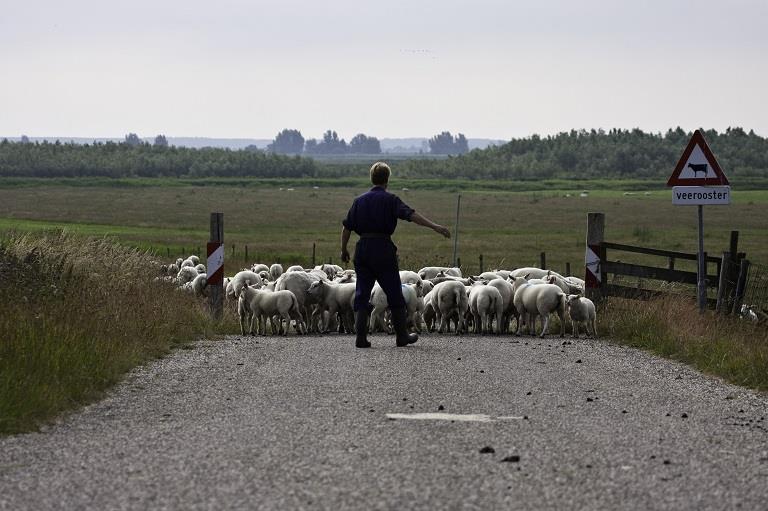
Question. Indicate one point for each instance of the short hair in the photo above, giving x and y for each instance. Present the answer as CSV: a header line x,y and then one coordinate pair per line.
x,y
380,173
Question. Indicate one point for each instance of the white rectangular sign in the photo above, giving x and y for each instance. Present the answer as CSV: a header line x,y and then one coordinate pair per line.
x,y
701,195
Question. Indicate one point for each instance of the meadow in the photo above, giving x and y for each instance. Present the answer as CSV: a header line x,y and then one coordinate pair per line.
x,y
281,222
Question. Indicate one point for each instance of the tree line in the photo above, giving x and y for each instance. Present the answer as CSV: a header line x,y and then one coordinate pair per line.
x,y
627,154
570,155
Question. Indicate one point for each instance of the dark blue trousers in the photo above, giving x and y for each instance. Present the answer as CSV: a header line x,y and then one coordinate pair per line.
x,y
376,261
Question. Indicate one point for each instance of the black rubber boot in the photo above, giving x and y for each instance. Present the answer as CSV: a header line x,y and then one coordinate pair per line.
x,y
361,329
403,338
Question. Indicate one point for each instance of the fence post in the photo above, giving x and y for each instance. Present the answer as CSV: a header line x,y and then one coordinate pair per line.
x,y
722,282
671,263
313,254
595,257
567,269
168,251
458,262
481,263
741,285
543,261
215,266
246,254
456,234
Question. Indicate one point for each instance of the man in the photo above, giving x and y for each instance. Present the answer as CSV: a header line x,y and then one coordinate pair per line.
x,y
373,216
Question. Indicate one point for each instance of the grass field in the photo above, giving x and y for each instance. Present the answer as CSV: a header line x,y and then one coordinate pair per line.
x,y
281,223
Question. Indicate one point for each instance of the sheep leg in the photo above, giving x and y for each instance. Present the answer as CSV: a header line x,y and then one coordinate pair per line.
x,y
575,329
545,325
287,318
594,329
562,322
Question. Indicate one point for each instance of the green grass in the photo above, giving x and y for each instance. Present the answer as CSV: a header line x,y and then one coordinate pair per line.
x,y
672,327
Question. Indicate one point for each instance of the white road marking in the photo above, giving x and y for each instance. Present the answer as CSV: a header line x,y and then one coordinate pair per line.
x,y
450,417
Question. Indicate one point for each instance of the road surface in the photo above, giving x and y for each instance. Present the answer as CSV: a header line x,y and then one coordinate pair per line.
x,y
448,423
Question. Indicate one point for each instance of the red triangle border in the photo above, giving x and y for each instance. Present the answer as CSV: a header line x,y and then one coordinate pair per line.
x,y
698,139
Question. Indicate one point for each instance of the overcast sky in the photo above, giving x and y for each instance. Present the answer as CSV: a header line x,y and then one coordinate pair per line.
x,y
394,68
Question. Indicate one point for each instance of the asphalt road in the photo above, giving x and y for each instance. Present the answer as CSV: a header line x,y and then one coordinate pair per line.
x,y
302,423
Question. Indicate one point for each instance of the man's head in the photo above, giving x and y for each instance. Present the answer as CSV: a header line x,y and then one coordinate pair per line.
x,y
380,173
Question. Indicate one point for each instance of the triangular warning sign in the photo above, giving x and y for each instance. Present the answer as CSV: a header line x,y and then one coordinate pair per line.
x,y
697,166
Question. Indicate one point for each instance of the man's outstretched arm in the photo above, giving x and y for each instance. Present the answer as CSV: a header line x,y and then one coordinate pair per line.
x,y
426,222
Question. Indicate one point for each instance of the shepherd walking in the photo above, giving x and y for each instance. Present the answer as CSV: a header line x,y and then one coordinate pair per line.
x,y
373,216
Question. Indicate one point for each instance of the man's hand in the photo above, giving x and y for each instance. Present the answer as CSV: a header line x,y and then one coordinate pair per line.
x,y
443,230
344,255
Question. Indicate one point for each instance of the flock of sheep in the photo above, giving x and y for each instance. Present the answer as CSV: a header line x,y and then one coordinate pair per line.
x,y
320,300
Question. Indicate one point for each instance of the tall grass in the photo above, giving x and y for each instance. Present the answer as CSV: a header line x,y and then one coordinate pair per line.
x,y
726,346
78,313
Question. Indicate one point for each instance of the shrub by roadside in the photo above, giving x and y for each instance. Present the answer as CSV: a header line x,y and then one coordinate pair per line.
x,y
78,314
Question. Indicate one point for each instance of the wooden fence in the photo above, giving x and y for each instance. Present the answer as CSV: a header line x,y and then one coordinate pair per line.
x,y
722,273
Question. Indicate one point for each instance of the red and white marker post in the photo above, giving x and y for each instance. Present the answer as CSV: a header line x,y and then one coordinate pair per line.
x,y
215,266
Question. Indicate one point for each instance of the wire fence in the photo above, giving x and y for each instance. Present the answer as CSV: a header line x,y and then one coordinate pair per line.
x,y
756,287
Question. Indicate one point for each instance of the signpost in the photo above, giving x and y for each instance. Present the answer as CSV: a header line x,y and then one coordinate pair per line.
x,y
698,180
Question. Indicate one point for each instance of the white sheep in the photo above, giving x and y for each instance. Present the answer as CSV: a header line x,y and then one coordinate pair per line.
x,y
532,273
450,301
507,294
533,300
485,303
298,283
243,278
200,285
258,305
430,272
275,271
334,298
581,311
186,274
295,267
259,267
409,277
200,268
414,306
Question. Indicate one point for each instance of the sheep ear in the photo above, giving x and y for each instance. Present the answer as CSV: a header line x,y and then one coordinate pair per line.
x,y
527,276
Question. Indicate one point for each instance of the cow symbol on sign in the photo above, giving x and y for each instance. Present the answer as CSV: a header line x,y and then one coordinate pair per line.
x,y
698,167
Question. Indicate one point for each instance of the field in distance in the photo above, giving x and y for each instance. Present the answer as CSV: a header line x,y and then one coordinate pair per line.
x,y
281,222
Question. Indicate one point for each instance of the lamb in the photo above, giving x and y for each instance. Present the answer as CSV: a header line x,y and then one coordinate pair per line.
x,y
200,268
187,262
430,272
330,270
581,311
450,300
538,299
489,276
295,267
486,302
275,271
258,304
345,277
334,298
429,315
507,295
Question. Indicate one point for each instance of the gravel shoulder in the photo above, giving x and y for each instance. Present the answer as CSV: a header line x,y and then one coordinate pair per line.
x,y
301,423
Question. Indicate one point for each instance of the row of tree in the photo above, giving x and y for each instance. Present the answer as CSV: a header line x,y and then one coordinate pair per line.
x,y
291,141
570,155
141,159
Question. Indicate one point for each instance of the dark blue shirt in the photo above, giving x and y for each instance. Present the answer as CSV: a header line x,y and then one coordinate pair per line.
x,y
377,211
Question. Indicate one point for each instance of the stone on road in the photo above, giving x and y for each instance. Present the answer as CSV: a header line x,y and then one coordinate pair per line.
x,y
312,422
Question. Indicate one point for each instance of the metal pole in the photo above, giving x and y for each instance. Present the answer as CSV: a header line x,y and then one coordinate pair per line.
x,y
702,277
456,233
